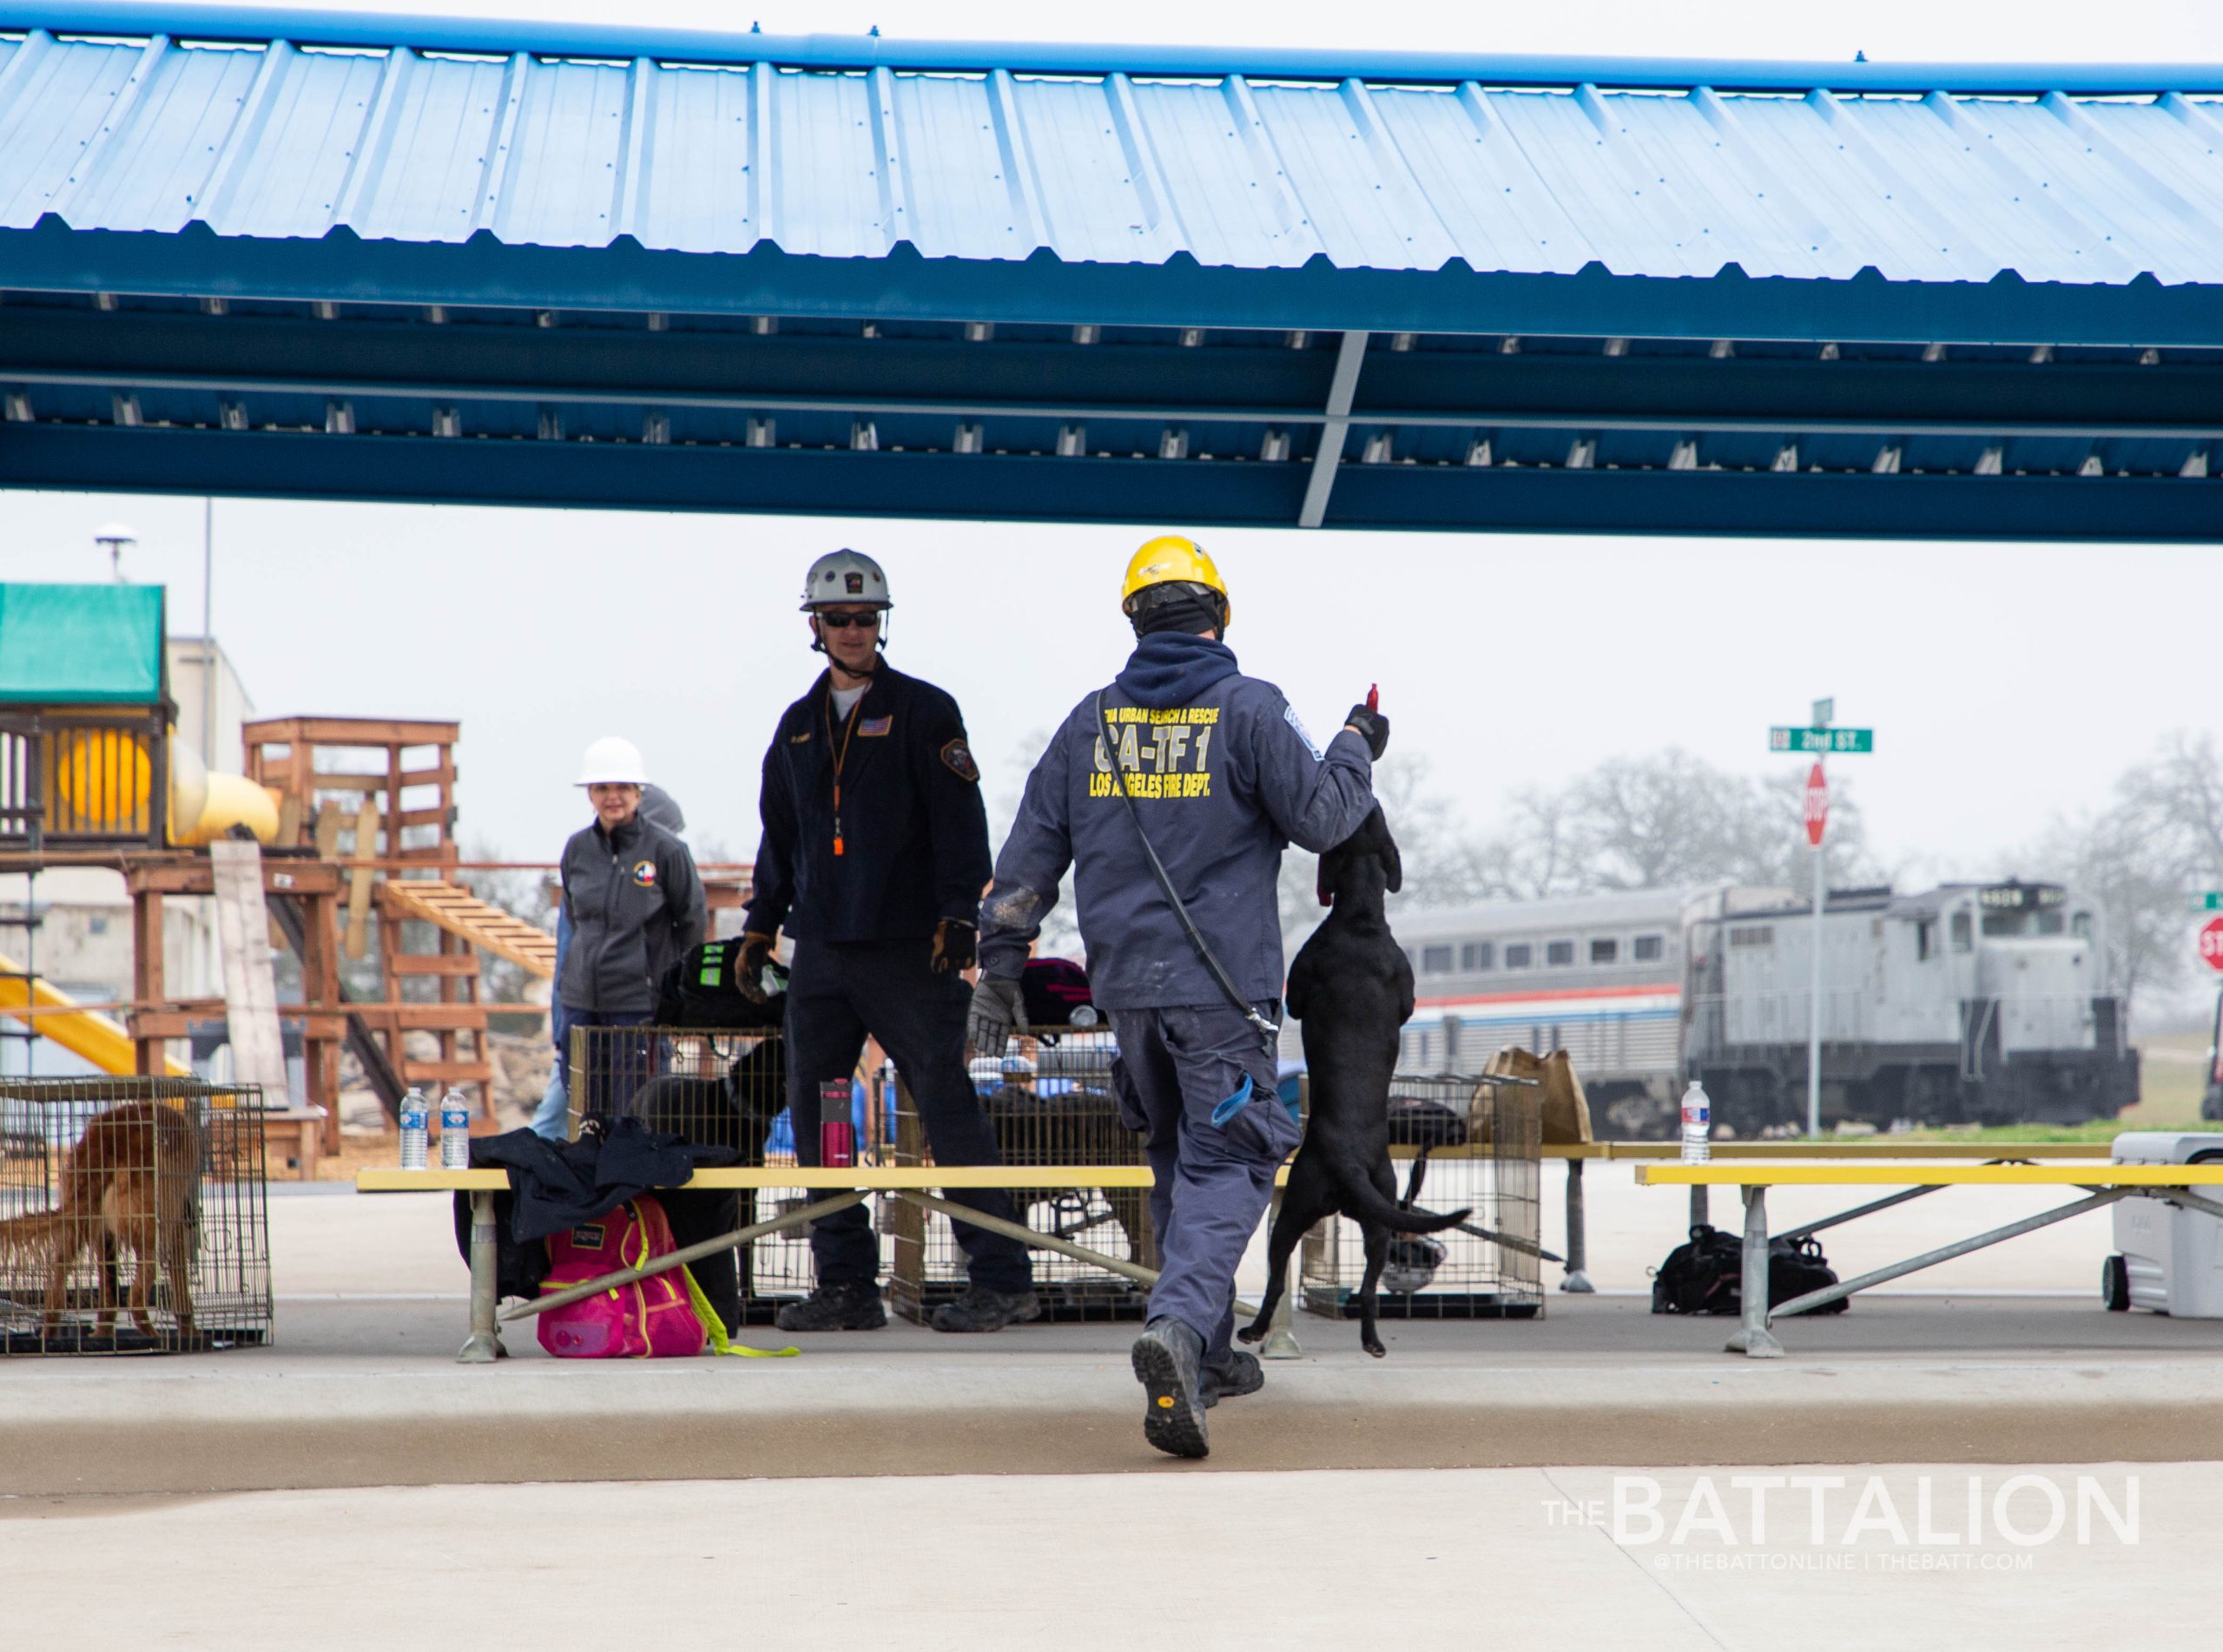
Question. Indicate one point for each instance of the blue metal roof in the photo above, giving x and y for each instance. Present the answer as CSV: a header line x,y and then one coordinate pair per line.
x,y
429,258
273,141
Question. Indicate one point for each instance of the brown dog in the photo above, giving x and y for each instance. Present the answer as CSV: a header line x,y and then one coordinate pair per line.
x,y
132,1182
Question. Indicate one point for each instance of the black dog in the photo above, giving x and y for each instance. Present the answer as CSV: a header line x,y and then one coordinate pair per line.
x,y
1352,986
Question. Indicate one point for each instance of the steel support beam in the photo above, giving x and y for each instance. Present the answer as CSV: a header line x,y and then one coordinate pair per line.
x,y
1350,355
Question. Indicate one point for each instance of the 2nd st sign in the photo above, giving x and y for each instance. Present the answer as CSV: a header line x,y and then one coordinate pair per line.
x,y
1821,742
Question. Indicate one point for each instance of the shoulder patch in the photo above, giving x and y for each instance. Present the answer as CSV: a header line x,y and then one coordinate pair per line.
x,y
1288,714
957,757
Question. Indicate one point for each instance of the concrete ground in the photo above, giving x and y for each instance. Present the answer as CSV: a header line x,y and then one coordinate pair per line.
x,y
352,1479
1496,1557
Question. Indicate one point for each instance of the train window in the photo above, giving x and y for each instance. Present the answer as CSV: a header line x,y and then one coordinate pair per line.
x,y
2052,923
1605,952
1435,960
2081,926
1925,940
1476,956
1557,954
1648,949
1752,935
1963,935
1520,956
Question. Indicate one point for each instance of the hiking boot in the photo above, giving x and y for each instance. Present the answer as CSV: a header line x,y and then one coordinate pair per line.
x,y
982,1309
1169,1360
851,1306
1241,1374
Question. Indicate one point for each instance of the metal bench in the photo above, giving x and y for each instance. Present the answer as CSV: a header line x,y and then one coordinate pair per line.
x,y
2102,1184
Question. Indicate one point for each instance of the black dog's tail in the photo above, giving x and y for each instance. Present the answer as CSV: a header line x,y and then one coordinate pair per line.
x,y
1363,1201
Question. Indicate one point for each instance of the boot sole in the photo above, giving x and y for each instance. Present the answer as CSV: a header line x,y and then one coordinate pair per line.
x,y
876,1321
1173,1421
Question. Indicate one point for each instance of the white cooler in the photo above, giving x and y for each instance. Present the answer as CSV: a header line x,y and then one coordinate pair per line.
x,y
2170,1259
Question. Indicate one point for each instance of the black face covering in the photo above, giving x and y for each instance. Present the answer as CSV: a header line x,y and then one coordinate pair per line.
x,y
1183,612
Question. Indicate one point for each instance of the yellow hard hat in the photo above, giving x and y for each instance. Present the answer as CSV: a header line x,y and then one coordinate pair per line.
x,y
1171,559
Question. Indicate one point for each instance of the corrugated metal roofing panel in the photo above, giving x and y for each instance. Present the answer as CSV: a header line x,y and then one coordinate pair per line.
x,y
400,145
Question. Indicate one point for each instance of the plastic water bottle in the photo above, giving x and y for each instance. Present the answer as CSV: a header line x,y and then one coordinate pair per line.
x,y
1697,1124
416,1129
455,1131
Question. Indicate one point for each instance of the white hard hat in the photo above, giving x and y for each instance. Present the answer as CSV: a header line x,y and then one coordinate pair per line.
x,y
612,761
844,576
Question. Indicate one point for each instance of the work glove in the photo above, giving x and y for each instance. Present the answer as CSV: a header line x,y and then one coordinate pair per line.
x,y
955,946
748,967
1371,726
999,1010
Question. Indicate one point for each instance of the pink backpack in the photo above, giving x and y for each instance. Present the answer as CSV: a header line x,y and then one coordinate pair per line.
x,y
652,1318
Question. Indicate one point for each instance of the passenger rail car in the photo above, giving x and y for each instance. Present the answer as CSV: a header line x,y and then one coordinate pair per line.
x,y
1980,1003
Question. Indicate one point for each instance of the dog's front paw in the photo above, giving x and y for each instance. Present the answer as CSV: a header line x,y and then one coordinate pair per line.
x,y
1372,1346
1250,1334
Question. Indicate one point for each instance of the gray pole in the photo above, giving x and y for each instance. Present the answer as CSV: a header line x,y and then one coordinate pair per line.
x,y
1814,1013
209,631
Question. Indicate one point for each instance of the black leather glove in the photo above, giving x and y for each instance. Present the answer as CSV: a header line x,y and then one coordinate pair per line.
x,y
999,1010
748,967
956,946
1373,728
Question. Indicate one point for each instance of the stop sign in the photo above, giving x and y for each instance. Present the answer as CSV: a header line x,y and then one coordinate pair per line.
x,y
2211,942
1817,820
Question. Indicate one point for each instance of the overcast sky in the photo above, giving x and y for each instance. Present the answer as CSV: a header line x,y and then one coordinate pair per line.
x,y
2006,684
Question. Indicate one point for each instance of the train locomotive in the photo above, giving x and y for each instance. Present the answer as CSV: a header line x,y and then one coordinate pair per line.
x,y
1967,1004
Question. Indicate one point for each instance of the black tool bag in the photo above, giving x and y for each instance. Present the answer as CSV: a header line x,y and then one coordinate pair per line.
x,y
700,990
1706,1274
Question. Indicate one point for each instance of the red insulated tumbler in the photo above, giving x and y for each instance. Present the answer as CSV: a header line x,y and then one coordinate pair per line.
x,y
837,1135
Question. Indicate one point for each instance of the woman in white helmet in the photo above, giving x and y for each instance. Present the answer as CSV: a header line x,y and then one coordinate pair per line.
x,y
634,905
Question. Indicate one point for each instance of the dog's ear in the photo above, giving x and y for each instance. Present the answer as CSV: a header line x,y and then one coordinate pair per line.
x,y
1395,861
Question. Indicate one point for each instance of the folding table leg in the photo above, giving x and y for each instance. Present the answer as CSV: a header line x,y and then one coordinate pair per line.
x,y
483,1347
1577,1281
1754,1339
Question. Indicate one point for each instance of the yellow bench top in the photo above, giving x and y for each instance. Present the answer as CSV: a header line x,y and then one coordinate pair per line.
x,y
924,1178
1866,1147
1930,1175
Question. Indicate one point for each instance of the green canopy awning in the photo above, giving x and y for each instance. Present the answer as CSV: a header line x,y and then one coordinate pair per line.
x,y
81,645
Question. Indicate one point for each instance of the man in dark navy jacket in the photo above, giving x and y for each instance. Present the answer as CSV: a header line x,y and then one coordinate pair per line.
x,y
875,853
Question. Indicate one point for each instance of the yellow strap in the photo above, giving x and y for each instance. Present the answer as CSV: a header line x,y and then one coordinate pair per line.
x,y
721,1343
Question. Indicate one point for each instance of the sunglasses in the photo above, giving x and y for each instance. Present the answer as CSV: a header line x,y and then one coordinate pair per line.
x,y
843,622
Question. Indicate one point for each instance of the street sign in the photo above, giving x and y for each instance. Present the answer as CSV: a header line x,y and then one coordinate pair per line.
x,y
1826,711
2211,943
1817,821
2208,901
1821,740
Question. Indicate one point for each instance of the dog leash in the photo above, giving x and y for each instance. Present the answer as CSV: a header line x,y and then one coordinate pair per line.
x,y
1267,1030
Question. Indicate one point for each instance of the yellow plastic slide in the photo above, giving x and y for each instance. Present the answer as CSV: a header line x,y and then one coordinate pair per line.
x,y
94,1036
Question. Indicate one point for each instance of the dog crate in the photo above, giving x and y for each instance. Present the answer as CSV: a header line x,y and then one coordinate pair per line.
x,y
721,1087
1455,1141
1049,1100
133,1216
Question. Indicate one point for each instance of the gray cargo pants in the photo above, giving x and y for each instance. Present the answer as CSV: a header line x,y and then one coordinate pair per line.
x,y
1200,1083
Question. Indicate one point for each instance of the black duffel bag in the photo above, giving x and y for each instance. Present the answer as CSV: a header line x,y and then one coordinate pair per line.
x,y
1706,1274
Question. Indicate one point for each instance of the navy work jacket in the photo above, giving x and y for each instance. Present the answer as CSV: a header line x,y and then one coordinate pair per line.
x,y
915,835
1224,782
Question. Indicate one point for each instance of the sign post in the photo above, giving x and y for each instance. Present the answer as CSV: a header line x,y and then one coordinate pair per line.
x,y
1819,738
1817,821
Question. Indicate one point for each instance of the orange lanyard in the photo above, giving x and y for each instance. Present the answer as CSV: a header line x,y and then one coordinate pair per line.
x,y
842,754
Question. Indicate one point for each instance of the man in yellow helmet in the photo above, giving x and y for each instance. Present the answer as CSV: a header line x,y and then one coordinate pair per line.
x,y
1172,794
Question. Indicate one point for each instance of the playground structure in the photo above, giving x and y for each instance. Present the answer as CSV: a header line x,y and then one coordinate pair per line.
x,y
353,822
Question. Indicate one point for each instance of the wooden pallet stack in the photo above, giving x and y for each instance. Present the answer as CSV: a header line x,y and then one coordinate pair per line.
x,y
379,794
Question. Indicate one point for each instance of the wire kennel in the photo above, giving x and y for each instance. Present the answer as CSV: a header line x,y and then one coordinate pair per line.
x,y
1454,1141
134,1216
1050,1101
722,1088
